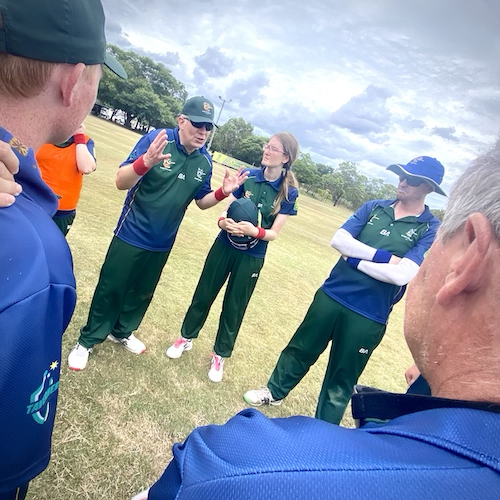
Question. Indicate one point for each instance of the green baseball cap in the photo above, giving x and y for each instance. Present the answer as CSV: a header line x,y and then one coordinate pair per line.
x,y
199,109
59,31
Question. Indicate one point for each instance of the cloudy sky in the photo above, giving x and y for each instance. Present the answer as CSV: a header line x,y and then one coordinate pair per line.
x,y
370,81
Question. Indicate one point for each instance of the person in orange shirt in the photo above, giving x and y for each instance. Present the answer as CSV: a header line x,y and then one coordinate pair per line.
x,y
62,167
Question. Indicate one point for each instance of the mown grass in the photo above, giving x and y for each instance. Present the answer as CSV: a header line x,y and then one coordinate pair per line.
x,y
118,419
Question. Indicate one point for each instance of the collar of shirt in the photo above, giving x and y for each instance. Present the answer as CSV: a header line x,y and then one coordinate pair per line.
x,y
259,177
425,216
372,404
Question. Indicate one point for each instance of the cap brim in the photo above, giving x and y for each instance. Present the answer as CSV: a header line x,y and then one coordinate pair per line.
x,y
399,169
201,119
114,65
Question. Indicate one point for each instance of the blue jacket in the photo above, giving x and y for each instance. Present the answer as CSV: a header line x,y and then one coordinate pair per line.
x,y
439,453
37,298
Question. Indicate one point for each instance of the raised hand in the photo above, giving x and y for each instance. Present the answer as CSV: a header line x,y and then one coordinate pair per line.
x,y
231,182
154,154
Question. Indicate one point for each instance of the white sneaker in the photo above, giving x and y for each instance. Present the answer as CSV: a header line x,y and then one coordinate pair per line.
x,y
131,343
178,347
259,397
143,495
217,369
78,357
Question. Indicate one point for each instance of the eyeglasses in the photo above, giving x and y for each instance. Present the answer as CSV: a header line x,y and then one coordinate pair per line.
x,y
411,181
208,126
265,147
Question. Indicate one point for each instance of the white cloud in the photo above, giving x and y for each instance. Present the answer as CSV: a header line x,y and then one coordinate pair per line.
x,y
371,82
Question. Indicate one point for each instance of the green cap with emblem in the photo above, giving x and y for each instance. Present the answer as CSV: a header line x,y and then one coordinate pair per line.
x,y
58,31
199,109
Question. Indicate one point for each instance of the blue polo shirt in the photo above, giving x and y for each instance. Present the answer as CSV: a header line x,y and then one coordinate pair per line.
x,y
374,224
156,204
441,453
263,193
37,298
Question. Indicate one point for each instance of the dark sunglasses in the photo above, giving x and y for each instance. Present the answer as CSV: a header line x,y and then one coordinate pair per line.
x,y
208,126
411,181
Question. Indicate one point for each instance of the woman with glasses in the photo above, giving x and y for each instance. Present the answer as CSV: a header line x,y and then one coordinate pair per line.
x,y
164,173
273,189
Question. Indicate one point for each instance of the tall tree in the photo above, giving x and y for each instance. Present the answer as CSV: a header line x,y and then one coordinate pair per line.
x,y
151,93
249,150
228,136
334,184
306,172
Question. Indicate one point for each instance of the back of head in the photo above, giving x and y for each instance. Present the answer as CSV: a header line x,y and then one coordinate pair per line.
x,y
37,35
477,190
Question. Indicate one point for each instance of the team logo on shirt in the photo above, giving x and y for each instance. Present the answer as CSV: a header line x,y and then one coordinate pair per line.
x,y
181,176
372,218
248,193
385,232
39,407
18,146
409,234
199,175
166,164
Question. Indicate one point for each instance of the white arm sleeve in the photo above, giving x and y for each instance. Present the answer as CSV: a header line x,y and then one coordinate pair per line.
x,y
348,245
398,274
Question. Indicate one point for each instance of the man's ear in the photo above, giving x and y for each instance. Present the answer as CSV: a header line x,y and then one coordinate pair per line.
x,y
69,82
470,265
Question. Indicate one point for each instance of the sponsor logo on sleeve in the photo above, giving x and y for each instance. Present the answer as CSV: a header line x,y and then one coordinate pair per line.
x,y
40,400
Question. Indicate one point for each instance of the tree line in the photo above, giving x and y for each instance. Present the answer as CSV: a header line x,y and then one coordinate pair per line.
x,y
342,184
152,97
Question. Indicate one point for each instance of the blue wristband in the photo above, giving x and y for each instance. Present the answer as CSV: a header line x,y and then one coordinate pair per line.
x,y
382,257
353,262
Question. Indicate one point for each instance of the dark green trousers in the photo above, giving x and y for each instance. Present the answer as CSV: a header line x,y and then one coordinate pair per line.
x,y
126,286
353,337
243,271
65,223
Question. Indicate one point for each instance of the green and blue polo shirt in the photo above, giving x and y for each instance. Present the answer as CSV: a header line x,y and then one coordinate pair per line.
x,y
156,204
374,224
263,193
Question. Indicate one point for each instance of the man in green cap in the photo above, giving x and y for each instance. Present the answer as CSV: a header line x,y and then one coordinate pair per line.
x,y
166,170
51,53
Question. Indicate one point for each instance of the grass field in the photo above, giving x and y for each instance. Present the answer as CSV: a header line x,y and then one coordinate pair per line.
x,y
118,419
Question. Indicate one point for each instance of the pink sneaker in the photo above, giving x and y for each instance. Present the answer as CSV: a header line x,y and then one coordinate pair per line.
x,y
178,347
217,368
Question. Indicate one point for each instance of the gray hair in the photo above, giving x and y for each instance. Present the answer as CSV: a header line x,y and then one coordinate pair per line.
x,y
477,190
